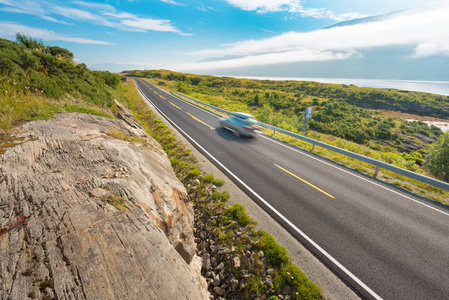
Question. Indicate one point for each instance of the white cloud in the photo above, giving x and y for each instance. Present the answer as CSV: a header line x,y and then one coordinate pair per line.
x,y
267,59
96,6
91,12
292,6
430,48
424,29
10,29
172,2
206,8
149,24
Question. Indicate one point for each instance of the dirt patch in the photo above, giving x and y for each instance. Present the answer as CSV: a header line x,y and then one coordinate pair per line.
x,y
407,116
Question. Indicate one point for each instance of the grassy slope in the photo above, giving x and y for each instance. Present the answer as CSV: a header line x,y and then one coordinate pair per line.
x,y
37,82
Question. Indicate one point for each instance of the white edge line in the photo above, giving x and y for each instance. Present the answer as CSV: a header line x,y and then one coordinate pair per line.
x,y
352,276
355,175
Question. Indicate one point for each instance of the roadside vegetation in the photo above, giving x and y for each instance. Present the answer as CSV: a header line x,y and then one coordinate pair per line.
x,y
38,81
337,121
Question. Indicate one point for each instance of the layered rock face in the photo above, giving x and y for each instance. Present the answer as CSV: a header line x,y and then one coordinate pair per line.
x,y
84,215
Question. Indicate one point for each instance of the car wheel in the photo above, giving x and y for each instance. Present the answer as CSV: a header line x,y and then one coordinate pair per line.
x,y
237,133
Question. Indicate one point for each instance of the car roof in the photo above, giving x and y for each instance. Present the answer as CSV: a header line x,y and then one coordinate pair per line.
x,y
243,115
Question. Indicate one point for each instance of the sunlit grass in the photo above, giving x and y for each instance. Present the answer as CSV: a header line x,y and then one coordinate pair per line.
x,y
17,108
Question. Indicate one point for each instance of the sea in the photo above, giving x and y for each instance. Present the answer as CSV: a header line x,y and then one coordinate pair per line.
x,y
434,87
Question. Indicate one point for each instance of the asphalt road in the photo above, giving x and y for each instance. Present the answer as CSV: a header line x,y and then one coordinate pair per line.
x,y
383,242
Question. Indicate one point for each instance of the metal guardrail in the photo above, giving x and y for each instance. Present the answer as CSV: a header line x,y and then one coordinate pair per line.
x,y
377,163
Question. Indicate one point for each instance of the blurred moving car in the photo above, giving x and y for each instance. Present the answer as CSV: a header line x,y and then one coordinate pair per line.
x,y
240,124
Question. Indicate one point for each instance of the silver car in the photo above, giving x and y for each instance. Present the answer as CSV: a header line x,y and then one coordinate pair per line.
x,y
240,124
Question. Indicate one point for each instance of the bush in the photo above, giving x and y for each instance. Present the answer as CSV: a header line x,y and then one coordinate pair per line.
x,y
208,178
238,213
218,182
194,173
437,159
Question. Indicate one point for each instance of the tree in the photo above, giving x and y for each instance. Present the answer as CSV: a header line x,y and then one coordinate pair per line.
x,y
437,159
60,52
265,116
256,100
29,42
195,80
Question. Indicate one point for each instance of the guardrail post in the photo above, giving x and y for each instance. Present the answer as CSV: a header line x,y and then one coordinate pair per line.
x,y
376,172
313,147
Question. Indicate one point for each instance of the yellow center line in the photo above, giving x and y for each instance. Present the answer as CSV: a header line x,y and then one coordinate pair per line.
x,y
305,182
174,105
162,97
195,118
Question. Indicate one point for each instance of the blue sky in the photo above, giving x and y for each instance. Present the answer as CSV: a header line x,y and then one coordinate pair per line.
x,y
182,34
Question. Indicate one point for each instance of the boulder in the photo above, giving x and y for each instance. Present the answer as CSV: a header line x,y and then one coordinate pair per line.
x,y
87,215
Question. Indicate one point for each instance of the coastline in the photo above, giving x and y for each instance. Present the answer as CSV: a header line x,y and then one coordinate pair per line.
x,y
424,86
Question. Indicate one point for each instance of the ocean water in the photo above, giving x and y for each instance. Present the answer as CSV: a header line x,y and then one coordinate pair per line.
x,y
435,87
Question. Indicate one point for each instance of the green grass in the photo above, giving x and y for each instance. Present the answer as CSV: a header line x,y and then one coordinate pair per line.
x,y
116,201
121,136
85,110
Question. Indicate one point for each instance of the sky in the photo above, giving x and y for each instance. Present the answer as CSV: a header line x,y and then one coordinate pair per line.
x,y
202,36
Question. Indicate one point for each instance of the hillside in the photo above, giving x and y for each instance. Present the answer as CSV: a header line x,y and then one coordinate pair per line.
x,y
37,81
101,201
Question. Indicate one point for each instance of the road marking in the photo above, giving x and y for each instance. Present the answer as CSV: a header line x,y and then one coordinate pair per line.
x,y
355,175
162,97
293,226
297,177
175,105
195,118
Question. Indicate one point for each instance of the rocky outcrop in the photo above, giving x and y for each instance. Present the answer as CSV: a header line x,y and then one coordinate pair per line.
x,y
86,214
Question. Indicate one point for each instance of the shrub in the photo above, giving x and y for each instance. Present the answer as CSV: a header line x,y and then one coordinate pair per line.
x,y
194,172
208,178
238,213
218,182
437,159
